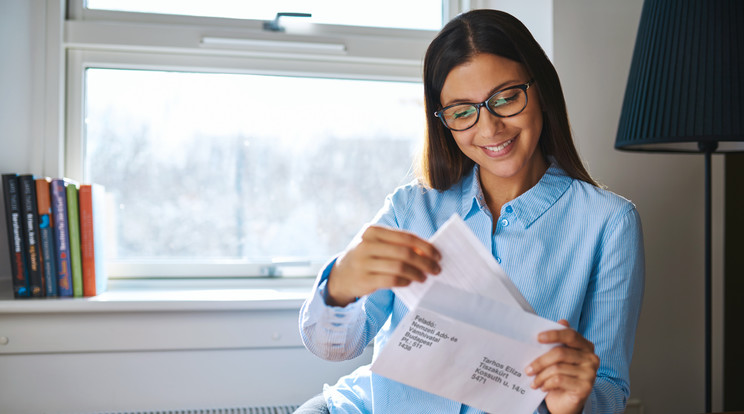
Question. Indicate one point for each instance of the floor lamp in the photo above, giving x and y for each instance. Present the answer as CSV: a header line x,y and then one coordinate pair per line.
x,y
685,93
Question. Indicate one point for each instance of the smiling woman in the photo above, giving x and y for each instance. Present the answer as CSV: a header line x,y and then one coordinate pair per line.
x,y
514,177
504,146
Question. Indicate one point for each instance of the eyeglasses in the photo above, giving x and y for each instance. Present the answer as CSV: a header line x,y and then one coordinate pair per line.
x,y
504,103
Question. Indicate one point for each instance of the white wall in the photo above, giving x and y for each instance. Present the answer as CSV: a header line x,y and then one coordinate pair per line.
x,y
21,56
592,49
537,15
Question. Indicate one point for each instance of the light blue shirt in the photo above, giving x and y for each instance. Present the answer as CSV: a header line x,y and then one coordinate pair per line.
x,y
573,250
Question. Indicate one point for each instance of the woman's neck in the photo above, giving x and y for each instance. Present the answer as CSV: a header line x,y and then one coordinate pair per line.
x,y
500,190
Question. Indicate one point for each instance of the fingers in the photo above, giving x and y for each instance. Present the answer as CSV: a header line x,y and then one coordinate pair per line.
x,y
382,258
563,355
571,367
395,269
394,258
567,337
575,350
567,376
395,246
564,370
419,246
580,389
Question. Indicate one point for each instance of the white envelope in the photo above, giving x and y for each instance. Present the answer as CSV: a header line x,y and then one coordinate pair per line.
x,y
469,333
467,265
467,348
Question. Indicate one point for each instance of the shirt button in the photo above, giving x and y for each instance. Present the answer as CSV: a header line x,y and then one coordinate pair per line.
x,y
509,209
498,259
504,222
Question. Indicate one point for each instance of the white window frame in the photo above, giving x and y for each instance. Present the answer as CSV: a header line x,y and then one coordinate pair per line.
x,y
109,39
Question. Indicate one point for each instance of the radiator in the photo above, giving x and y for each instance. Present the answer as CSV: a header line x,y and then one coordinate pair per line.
x,y
634,406
276,409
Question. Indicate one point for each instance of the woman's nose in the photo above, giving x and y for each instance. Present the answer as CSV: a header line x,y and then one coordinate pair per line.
x,y
490,124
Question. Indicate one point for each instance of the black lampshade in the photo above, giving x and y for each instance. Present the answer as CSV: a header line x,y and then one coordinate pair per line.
x,y
686,82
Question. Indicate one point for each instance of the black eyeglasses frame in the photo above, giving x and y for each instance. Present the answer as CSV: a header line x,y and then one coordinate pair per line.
x,y
478,106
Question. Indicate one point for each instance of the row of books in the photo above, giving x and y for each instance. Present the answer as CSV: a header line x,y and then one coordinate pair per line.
x,y
55,236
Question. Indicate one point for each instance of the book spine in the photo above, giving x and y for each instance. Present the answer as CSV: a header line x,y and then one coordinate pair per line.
x,y
73,218
31,235
92,237
15,236
87,247
99,237
46,236
61,237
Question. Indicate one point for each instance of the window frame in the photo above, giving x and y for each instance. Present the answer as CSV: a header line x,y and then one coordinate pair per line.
x,y
110,39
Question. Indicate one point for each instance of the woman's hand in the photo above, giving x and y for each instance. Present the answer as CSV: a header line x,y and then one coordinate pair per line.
x,y
567,372
383,258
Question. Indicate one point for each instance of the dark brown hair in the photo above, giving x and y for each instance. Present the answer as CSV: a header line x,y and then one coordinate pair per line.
x,y
498,33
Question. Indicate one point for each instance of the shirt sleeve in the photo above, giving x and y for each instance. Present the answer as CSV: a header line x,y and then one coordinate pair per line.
x,y
611,310
331,332
340,333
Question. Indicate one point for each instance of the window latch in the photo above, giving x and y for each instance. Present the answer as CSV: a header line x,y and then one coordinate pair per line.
x,y
275,269
273,26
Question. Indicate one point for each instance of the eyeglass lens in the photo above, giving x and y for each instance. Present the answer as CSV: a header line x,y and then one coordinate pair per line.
x,y
505,103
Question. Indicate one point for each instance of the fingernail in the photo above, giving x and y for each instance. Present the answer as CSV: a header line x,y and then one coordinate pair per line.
x,y
529,370
533,386
542,337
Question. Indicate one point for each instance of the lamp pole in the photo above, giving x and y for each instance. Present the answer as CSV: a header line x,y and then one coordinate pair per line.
x,y
708,147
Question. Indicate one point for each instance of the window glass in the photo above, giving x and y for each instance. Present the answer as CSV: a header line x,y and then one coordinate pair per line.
x,y
410,14
250,167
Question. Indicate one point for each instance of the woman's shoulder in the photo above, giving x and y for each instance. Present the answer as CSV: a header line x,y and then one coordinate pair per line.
x,y
580,195
421,209
603,193
416,190
601,200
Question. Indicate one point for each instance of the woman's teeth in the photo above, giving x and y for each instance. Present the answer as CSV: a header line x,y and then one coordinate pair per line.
x,y
500,147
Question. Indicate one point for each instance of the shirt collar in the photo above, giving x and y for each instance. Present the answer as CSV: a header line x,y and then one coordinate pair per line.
x,y
472,194
529,206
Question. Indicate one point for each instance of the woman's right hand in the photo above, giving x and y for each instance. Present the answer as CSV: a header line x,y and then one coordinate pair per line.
x,y
382,258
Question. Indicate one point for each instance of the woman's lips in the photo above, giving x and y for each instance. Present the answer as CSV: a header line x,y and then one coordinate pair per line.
x,y
500,148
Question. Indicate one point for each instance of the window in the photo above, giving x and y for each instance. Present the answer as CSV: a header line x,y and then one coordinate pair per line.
x,y
409,14
228,150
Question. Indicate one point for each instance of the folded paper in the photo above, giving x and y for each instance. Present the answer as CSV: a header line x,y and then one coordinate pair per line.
x,y
469,333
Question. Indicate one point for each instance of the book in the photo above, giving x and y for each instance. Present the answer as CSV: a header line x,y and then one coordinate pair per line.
x,y
46,236
92,226
30,224
18,266
61,237
73,226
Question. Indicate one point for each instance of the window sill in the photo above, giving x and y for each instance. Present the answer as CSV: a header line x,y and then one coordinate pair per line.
x,y
159,315
176,295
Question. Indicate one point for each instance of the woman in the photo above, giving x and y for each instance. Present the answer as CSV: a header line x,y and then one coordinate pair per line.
x,y
499,153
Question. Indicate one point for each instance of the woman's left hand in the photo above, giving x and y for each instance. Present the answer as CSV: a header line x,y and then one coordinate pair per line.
x,y
567,372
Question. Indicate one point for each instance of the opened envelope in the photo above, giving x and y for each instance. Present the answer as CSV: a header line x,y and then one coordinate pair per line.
x,y
467,265
462,345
